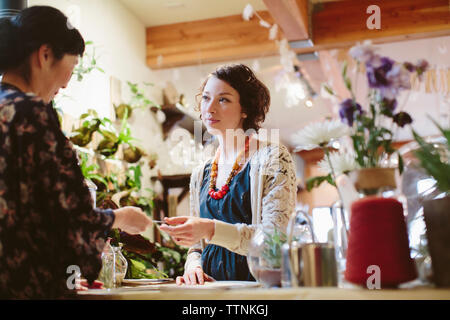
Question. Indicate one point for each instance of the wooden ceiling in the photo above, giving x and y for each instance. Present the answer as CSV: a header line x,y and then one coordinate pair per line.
x,y
325,24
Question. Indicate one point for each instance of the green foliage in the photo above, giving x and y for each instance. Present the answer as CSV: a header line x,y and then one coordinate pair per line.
x,y
272,247
89,170
140,265
315,182
87,63
138,99
140,268
434,159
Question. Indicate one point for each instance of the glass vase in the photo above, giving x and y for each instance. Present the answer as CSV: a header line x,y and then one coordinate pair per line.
x,y
114,266
264,256
341,225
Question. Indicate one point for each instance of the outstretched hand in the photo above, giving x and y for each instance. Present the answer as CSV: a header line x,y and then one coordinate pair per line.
x,y
131,220
194,276
187,231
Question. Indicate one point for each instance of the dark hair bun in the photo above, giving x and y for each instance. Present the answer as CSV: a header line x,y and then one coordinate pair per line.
x,y
31,28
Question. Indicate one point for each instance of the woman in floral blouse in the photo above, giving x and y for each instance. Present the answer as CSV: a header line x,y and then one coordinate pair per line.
x,y
47,219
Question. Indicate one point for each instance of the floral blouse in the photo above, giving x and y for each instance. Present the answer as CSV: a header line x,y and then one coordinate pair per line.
x,y
47,219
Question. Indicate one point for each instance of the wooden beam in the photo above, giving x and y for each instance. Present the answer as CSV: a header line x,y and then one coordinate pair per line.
x,y
291,16
343,23
210,40
314,74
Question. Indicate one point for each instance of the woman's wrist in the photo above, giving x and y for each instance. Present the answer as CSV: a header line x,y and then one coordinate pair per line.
x,y
117,219
210,228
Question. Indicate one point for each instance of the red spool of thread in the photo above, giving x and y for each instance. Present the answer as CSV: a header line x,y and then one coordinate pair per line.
x,y
378,236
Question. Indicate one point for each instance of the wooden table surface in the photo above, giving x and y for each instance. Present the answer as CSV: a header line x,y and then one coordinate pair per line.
x,y
221,292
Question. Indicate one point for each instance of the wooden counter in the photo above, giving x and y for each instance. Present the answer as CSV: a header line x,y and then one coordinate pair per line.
x,y
172,292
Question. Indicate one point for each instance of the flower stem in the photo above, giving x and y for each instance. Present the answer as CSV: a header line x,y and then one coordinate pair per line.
x,y
333,173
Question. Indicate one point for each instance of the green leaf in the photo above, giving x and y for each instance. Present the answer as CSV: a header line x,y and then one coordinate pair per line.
x,y
348,84
315,182
344,70
400,163
445,132
430,159
328,89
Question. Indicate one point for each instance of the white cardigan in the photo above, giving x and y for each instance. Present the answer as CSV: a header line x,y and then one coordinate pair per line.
x,y
273,193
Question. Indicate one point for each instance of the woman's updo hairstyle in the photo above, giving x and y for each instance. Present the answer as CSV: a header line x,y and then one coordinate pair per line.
x,y
31,28
254,97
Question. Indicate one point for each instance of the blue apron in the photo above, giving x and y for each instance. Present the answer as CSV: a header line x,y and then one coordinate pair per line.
x,y
235,207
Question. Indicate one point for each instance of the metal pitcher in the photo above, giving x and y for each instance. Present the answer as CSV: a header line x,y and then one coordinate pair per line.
x,y
310,264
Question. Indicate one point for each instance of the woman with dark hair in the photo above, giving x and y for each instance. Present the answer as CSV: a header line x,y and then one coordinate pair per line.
x,y
47,219
244,185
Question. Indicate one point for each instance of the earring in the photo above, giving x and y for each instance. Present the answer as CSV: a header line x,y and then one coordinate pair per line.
x,y
244,115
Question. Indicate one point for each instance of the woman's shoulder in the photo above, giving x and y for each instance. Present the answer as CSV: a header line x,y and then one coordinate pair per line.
x,y
22,112
24,105
10,94
270,150
197,170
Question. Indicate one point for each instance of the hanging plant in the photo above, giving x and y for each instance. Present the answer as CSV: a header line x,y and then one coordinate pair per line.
x,y
82,136
87,63
109,144
121,109
89,171
132,154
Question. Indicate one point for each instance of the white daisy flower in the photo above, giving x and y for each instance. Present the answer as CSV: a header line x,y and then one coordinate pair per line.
x,y
342,162
319,134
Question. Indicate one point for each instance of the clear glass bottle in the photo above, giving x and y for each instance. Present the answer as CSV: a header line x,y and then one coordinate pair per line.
x,y
341,225
114,266
121,265
107,273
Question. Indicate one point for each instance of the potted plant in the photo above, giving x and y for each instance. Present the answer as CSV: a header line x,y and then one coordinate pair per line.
x,y
372,128
264,256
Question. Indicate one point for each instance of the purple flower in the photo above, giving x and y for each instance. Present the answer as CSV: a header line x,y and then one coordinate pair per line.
x,y
409,66
388,76
402,119
377,70
348,109
388,106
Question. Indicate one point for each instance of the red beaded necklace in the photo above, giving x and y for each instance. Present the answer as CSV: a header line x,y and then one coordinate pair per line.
x,y
236,168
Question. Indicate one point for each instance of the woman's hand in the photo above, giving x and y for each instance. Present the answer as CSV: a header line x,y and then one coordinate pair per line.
x,y
83,285
187,231
131,220
194,276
